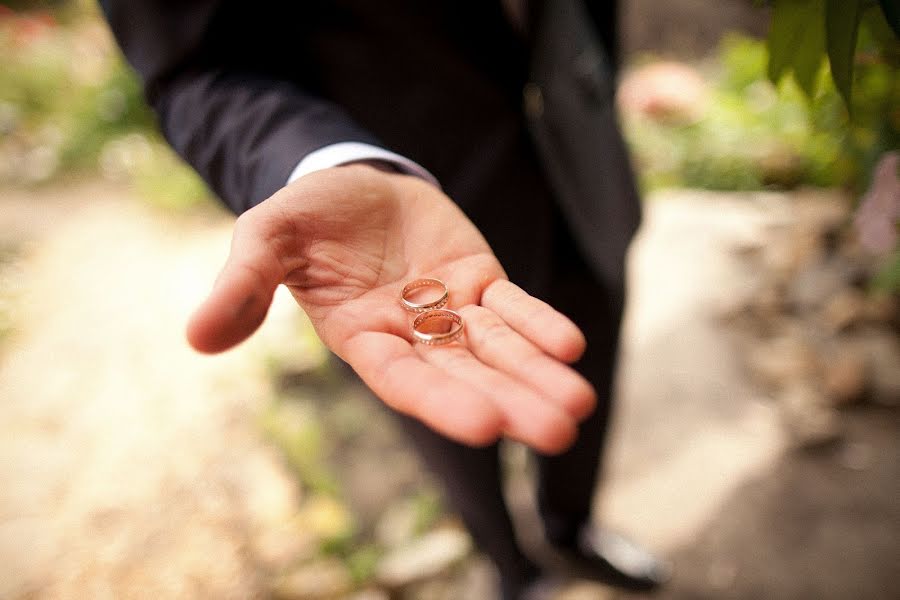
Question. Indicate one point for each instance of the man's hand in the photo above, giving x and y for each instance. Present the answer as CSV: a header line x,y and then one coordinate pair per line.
x,y
345,241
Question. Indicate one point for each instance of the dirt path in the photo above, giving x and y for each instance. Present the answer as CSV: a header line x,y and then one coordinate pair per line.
x,y
702,466
130,466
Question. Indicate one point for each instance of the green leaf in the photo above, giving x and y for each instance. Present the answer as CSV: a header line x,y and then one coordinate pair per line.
x,y
891,9
797,41
788,21
879,31
809,56
841,28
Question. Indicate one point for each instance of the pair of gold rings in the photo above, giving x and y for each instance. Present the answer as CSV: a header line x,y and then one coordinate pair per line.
x,y
432,317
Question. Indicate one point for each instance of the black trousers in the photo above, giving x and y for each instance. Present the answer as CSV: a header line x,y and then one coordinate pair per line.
x,y
566,483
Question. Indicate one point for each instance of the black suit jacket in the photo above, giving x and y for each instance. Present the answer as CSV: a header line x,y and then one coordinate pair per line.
x,y
243,91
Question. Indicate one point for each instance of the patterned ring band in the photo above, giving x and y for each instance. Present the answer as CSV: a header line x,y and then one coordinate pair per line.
x,y
419,307
437,339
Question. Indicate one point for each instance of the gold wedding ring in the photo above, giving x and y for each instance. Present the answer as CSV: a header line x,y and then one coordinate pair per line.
x,y
419,307
439,338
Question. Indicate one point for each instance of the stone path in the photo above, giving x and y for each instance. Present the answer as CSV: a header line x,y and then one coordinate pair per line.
x,y
132,467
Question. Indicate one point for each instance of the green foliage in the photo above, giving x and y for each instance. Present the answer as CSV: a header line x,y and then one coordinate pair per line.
x,y
842,19
428,509
797,42
341,545
99,113
891,9
362,562
803,32
164,180
296,429
754,136
888,277
69,104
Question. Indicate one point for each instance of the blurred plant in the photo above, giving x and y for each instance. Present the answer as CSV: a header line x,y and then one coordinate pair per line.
x,y
69,104
429,508
363,561
297,430
853,35
750,135
329,521
888,277
804,32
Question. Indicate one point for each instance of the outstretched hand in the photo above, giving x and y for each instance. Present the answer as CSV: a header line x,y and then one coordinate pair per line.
x,y
345,241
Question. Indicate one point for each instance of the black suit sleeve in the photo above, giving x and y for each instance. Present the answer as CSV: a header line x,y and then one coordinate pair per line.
x,y
226,97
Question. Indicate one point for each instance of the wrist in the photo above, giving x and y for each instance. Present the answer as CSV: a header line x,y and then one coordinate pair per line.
x,y
368,172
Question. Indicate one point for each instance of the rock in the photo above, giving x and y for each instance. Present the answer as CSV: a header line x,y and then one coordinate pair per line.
x,y
732,310
397,525
757,308
809,421
813,287
433,589
778,258
769,303
478,579
844,377
845,309
780,362
881,350
878,212
278,547
857,456
373,478
423,558
586,590
881,308
327,578
748,244
792,251
820,209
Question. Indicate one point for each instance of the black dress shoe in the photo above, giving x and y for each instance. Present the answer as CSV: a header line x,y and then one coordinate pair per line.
x,y
609,558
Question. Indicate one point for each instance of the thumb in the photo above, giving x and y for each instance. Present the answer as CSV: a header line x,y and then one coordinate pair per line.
x,y
242,294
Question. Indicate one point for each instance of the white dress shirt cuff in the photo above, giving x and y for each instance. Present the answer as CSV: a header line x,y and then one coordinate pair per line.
x,y
348,152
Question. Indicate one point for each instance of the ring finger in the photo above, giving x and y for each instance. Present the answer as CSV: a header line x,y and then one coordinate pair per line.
x,y
530,418
496,344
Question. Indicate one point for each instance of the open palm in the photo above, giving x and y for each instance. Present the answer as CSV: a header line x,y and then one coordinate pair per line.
x,y
345,241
